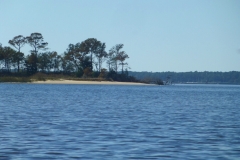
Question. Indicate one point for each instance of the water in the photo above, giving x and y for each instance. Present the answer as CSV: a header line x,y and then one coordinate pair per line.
x,y
119,122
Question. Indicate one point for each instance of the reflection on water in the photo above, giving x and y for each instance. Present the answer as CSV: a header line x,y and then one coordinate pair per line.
x,y
119,122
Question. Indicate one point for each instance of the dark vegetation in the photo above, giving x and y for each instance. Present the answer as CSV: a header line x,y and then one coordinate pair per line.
x,y
232,77
80,61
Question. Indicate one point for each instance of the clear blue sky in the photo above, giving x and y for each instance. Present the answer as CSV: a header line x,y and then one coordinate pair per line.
x,y
158,35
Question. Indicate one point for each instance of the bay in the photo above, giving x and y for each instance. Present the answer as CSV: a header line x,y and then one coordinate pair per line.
x,y
39,121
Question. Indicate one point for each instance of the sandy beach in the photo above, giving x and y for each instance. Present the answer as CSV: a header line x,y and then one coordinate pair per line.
x,y
87,82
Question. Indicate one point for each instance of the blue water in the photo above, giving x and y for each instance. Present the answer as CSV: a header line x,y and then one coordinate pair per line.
x,y
119,122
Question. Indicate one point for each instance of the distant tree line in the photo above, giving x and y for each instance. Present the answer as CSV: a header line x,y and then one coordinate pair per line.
x,y
232,77
83,59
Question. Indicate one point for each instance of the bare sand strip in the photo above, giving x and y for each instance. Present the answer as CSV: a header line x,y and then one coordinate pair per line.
x,y
86,82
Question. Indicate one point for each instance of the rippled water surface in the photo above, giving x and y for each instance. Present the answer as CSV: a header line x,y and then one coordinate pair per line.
x,y
119,122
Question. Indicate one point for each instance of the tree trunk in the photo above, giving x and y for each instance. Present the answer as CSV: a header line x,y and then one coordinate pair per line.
x,y
18,67
122,67
91,63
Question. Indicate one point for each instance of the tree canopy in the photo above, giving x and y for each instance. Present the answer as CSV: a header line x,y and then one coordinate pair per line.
x,y
36,41
84,59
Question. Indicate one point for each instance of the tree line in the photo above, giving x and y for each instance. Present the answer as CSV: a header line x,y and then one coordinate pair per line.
x,y
83,59
232,77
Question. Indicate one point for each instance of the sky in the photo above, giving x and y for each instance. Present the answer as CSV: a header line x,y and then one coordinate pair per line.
x,y
158,35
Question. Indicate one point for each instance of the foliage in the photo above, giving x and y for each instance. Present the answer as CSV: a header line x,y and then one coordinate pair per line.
x,y
112,75
100,54
232,77
18,42
90,46
31,63
39,76
87,72
79,73
103,73
122,56
80,60
36,41
115,55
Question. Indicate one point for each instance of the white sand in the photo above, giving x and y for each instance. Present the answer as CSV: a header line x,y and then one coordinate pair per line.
x,y
86,82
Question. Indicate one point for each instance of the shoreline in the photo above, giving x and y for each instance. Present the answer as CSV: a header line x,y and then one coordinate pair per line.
x,y
87,82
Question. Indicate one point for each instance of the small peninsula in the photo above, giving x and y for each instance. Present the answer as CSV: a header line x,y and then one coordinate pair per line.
x,y
80,62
